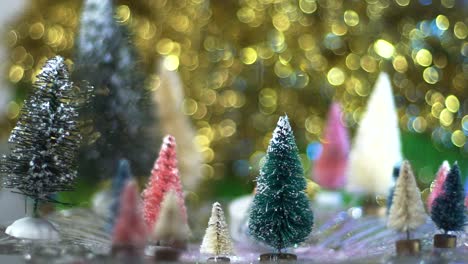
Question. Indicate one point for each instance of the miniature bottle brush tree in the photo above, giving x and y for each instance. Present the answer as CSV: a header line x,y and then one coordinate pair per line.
x,y
448,209
438,183
121,111
164,177
129,236
217,241
171,229
280,215
407,211
45,144
119,182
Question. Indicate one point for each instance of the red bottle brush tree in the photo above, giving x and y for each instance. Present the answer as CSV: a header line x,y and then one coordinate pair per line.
x,y
130,228
164,177
329,169
438,183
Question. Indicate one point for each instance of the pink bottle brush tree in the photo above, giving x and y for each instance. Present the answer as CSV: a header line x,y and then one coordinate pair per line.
x,y
164,177
329,168
437,185
130,229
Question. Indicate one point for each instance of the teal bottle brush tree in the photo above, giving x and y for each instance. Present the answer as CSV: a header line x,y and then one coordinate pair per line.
x,y
280,215
44,145
448,209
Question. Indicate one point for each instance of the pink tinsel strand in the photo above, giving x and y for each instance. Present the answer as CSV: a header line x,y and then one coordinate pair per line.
x,y
164,177
329,168
130,228
437,188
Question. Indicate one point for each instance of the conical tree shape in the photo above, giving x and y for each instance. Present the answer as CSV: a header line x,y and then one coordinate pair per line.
x,y
171,227
130,229
330,168
407,210
217,240
46,138
169,97
164,177
121,109
119,182
448,209
376,146
437,185
280,215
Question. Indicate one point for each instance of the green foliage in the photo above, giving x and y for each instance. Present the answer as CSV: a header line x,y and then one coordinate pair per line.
x,y
280,215
45,141
448,209
122,113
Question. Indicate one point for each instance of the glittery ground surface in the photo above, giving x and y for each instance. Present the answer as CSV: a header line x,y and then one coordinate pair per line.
x,y
337,238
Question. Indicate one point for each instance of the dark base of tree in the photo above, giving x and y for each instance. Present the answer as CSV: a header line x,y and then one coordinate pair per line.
x,y
125,250
218,259
445,241
269,257
409,247
166,254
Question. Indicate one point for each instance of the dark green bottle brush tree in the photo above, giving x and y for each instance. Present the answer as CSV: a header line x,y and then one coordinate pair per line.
x,y
280,215
123,117
44,145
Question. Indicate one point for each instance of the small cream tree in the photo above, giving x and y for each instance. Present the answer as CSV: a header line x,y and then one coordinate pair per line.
x,y
171,228
217,241
407,211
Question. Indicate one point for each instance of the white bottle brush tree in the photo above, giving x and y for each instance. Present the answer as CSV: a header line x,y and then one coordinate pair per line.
x,y
44,145
217,240
407,211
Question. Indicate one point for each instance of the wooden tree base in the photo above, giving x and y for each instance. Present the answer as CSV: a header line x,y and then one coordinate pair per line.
x,y
166,254
408,247
272,257
218,260
445,241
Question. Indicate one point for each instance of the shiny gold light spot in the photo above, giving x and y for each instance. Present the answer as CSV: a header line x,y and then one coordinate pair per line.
x,y
442,22
351,18
207,171
36,31
164,46
446,117
308,6
424,57
400,64
281,22
189,106
419,124
403,2
436,109
12,38
227,128
464,122
207,155
123,14
448,3
306,42
431,75
248,55
13,110
368,63
452,103
171,62
352,61
246,15
458,138
16,73
339,29
312,124
281,70
460,30
336,76
268,97
384,48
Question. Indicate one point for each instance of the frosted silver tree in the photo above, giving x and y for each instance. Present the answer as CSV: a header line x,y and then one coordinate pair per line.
x,y
217,240
407,210
376,148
